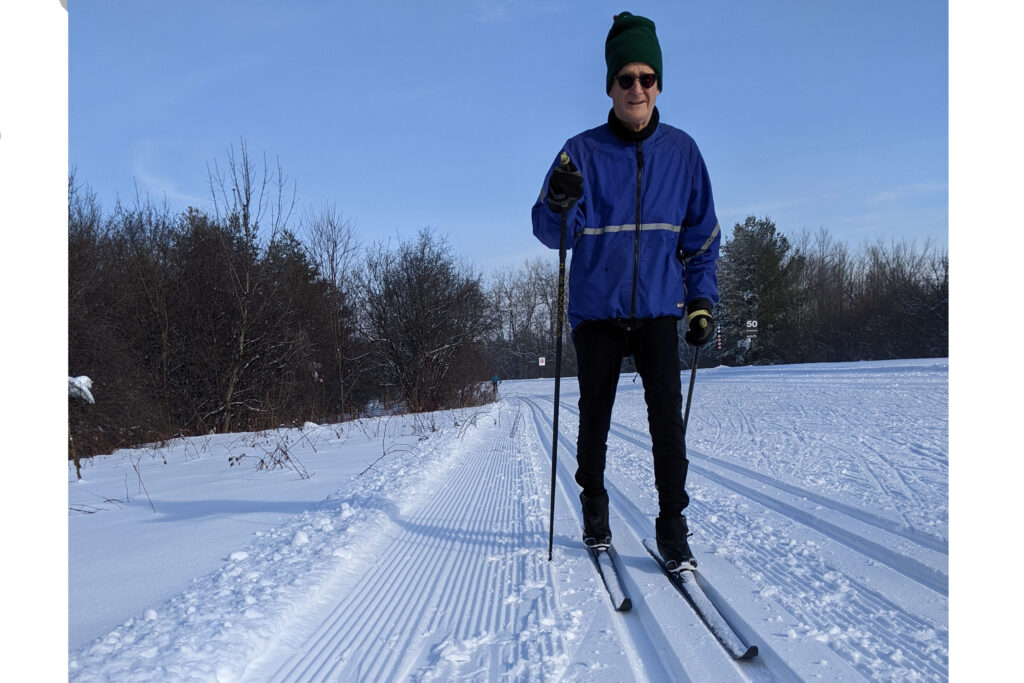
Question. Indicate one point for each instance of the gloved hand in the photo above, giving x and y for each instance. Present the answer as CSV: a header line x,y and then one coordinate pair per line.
x,y
565,187
700,323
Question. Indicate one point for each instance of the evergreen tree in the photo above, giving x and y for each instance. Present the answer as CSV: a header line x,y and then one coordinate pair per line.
x,y
758,277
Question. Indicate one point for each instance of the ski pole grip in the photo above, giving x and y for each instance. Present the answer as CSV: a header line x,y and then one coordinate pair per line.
x,y
563,160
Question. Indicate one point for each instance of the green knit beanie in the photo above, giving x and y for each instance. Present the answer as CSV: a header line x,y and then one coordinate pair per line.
x,y
631,39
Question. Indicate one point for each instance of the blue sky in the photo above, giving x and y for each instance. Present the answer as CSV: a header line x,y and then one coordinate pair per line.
x,y
446,114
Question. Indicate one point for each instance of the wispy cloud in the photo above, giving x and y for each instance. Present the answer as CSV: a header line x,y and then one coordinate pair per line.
x,y
161,187
152,181
907,191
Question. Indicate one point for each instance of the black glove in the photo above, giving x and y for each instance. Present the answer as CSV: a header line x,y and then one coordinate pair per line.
x,y
701,324
565,186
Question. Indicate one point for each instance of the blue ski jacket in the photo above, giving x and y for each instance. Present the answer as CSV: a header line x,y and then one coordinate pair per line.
x,y
644,235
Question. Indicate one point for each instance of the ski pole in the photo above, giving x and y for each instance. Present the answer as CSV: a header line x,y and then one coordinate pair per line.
x,y
689,394
564,162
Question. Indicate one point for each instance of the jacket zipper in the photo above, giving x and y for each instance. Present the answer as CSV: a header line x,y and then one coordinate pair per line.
x,y
636,234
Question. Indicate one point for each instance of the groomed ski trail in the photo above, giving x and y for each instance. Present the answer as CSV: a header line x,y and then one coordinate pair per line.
x,y
459,589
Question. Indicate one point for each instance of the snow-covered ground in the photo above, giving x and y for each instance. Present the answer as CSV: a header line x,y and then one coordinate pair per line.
x,y
415,548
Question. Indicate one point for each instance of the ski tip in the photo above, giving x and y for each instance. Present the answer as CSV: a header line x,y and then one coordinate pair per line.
x,y
750,653
627,605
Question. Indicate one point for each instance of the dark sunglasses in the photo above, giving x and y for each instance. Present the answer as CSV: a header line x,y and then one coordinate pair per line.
x,y
647,81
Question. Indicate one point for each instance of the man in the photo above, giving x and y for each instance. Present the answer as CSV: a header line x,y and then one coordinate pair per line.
x,y
645,239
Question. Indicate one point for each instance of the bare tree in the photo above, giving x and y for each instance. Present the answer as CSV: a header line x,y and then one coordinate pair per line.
x,y
526,303
826,298
252,202
905,297
247,202
334,248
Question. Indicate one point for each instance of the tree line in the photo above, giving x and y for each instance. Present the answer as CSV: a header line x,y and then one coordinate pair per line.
x,y
245,316
813,299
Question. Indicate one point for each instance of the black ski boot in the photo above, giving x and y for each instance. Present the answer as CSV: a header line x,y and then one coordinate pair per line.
x,y
671,533
596,532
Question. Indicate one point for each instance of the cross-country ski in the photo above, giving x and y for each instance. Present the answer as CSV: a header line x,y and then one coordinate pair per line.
x,y
687,583
607,563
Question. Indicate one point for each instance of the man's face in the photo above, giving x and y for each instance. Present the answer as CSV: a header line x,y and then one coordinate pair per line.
x,y
634,106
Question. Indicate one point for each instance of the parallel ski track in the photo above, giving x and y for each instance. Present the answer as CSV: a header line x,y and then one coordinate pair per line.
x,y
870,472
472,549
912,568
648,629
868,600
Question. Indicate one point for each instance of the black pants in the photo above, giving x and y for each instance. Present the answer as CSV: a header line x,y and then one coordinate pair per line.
x,y
600,348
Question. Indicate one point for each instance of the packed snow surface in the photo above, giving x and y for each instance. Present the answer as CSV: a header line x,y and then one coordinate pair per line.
x,y
415,547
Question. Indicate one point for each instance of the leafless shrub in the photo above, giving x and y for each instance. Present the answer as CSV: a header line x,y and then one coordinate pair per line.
x,y
469,422
517,420
273,453
134,460
424,424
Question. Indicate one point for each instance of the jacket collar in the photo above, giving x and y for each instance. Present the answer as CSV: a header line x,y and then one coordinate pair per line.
x,y
627,135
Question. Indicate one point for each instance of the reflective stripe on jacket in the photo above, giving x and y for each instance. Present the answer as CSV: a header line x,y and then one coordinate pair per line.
x,y
644,235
